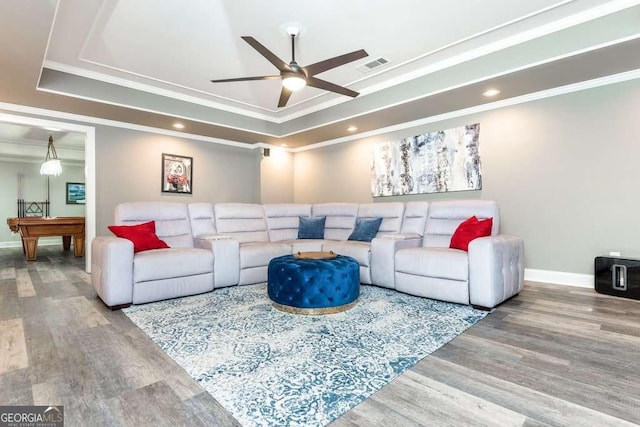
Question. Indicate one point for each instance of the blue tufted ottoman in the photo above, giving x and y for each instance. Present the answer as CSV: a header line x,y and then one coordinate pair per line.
x,y
313,286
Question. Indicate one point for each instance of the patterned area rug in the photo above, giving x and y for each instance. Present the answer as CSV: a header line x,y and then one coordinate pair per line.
x,y
270,368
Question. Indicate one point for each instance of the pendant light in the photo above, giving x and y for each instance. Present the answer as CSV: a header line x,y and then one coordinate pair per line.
x,y
51,165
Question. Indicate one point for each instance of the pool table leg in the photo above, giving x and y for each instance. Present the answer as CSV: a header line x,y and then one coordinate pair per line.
x,y
31,246
78,245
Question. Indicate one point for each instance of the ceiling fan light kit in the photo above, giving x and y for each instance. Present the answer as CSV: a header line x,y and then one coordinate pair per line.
x,y
293,76
294,83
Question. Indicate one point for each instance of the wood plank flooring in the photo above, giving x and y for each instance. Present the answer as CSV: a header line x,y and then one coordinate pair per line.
x,y
555,355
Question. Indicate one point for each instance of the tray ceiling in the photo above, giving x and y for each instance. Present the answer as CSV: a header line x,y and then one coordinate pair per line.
x,y
157,58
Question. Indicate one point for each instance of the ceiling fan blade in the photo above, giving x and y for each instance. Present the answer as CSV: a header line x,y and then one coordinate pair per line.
x,y
284,97
323,84
328,64
243,79
271,57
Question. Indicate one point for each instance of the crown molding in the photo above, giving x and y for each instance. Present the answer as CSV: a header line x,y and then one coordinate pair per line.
x,y
575,87
94,75
471,82
617,78
438,67
113,123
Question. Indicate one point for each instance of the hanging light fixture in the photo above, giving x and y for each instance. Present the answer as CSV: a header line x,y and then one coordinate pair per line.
x,y
51,165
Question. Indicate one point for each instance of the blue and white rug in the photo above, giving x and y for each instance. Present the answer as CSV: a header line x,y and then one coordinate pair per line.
x,y
267,367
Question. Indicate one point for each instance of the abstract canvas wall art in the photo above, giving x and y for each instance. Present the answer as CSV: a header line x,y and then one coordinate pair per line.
x,y
434,162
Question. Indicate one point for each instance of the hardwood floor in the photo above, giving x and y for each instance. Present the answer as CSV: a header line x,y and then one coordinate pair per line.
x,y
554,355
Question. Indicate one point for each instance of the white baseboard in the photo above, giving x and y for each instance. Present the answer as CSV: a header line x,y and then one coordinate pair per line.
x,y
41,242
559,277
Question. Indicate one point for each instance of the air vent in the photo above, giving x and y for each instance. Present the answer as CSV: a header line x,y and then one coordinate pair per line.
x,y
371,65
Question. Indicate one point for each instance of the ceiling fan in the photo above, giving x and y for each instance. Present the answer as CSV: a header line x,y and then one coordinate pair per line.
x,y
295,77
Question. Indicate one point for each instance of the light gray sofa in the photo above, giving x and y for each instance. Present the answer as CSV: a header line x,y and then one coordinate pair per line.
x,y
410,252
490,272
121,277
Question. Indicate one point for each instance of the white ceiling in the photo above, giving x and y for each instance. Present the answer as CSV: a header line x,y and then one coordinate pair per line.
x,y
154,60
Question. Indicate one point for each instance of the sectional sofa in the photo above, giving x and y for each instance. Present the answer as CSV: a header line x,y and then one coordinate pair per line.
x,y
227,244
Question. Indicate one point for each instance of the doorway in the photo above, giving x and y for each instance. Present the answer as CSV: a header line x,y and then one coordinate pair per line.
x,y
89,167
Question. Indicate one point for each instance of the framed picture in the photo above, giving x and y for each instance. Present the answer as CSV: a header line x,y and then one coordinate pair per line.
x,y
75,193
176,174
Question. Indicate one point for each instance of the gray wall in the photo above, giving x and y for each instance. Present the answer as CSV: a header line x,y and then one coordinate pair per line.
x,y
128,168
35,189
564,171
276,177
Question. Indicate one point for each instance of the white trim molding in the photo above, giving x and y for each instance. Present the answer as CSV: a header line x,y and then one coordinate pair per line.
x,y
559,278
534,96
43,241
17,108
549,93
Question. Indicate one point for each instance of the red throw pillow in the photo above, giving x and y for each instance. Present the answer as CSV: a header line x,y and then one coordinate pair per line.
x,y
142,235
145,226
468,230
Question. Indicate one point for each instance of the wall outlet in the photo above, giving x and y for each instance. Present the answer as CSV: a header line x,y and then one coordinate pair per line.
x,y
614,253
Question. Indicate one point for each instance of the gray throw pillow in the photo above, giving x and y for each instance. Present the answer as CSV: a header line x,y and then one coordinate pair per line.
x,y
311,228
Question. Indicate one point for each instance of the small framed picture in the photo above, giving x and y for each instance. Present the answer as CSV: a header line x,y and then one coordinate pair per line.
x,y
75,193
176,174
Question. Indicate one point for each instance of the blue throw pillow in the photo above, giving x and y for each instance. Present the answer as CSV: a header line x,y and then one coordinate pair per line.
x,y
311,228
366,229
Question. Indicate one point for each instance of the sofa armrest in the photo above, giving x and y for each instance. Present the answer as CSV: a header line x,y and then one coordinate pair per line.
x,y
383,253
496,269
213,237
112,269
401,236
226,258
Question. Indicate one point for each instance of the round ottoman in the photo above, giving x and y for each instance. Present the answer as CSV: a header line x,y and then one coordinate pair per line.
x,y
313,286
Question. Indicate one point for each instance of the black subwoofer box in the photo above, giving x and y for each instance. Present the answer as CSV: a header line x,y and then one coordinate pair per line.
x,y
619,277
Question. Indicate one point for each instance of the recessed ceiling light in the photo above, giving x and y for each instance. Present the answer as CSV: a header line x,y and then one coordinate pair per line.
x,y
283,145
491,92
50,129
352,128
178,125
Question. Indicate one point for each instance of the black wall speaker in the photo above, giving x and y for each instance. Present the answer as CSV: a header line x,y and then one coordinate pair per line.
x,y
617,276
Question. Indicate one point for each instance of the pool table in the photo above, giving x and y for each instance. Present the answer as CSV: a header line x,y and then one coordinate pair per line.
x,y
33,227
